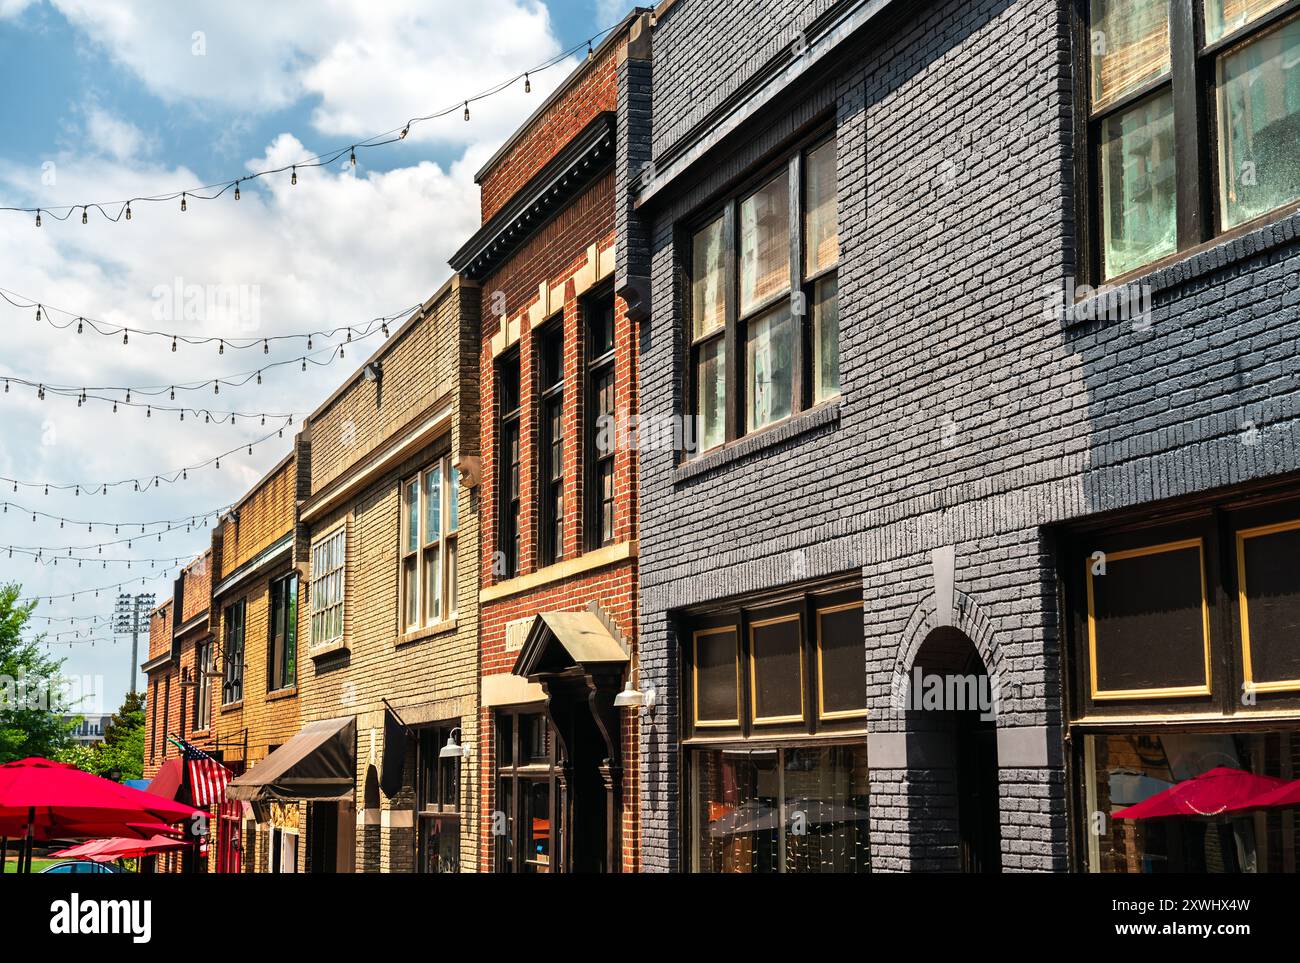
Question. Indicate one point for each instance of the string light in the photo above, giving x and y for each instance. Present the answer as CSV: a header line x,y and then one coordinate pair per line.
x,y
116,210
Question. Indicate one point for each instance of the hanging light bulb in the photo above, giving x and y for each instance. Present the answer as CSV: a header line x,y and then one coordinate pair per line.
x,y
125,336
128,212
216,387
309,342
293,178
182,201
405,130
218,462
84,218
221,346
236,190
528,85
467,110
171,396
38,218
304,364
78,325
173,342
259,377
38,312
266,347
353,158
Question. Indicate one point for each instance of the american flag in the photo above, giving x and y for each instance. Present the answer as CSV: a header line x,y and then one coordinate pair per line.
x,y
208,777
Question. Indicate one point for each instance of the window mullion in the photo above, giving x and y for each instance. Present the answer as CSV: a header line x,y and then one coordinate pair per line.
x,y
735,407
1189,122
798,302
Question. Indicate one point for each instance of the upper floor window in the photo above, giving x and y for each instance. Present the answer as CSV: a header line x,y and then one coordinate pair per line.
x,y
327,568
282,645
598,317
429,527
551,383
203,686
232,676
1194,117
764,305
508,410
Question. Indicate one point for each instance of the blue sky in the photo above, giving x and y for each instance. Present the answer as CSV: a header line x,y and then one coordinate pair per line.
x,y
104,99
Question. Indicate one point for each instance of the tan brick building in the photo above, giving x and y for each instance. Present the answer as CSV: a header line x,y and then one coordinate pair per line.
x,y
387,545
558,372
256,596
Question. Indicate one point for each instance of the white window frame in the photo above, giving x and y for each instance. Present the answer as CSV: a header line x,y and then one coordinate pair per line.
x,y
328,587
414,563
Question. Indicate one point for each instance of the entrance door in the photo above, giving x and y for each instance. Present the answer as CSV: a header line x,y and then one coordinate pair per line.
x,y
977,794
323,854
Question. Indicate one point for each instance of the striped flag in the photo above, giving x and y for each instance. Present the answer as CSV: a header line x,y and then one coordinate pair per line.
x,y
207,777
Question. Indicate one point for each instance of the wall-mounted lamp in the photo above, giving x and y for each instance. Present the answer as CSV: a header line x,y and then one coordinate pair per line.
x,y
373,371
452,750
633,698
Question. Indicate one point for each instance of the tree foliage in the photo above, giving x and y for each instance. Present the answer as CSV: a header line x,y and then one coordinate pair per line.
x,y
30,722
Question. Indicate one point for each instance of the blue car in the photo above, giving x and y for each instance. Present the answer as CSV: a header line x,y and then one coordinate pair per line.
x,y
81,866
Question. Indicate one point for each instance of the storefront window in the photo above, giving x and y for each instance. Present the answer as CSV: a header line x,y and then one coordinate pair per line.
x,y
799,810
438,805
1124,770
529,798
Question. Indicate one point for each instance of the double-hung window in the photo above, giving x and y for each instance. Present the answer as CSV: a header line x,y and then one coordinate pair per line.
x,y
430,521
551,504
1194,120
327,569
282,643
508,477
602,430
203,696
764,306
232,675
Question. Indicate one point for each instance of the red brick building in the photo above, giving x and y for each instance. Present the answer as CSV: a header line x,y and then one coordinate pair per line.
x,y
558,762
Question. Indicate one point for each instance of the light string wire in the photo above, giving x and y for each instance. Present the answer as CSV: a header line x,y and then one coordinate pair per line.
x,y
115,587
51,558
44,310
172,524
115,211
210,415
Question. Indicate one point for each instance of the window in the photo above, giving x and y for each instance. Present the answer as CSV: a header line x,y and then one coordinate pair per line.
x,y
602,429
232,674
430,522
203,692
1158,139
508,479
167,705
283,850
764,308
438,802
528,799
793,670
551,490
327,569
153,721
282,647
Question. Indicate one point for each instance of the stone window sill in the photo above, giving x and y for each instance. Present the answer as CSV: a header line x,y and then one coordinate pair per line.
x,y
275,695
445,627
827,413
327,648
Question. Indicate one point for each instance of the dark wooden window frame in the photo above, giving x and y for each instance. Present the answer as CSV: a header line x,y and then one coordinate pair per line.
x,y
446,807
550,510
597,366
523,771
234,627
508,504
203,686
1192,80
278,675
793,161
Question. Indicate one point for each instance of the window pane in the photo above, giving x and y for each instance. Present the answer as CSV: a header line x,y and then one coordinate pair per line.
x,y
711,393
842,672
453,501
410,588
826,339
1270,604
826,811
1259,121
821,230
735,810
433,504
432,585
412,498
451,578
777,680
765,243
1130,46
1137,181
1222,17
769,368
537,818
716,677
708,287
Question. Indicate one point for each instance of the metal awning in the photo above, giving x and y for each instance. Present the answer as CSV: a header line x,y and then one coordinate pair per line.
x,y
319,763
559,641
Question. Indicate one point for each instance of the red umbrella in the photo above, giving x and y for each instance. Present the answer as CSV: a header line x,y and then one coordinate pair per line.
x,y
1285,796
1210,794
104,850
52,800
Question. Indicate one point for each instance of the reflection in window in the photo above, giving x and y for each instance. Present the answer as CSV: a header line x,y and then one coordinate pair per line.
x,y
1139,217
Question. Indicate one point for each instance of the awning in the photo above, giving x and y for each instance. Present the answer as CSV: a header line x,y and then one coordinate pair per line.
x,y
318,763
559,641
169,780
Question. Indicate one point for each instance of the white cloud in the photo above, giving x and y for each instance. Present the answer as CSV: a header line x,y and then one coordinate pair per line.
x,y
111,135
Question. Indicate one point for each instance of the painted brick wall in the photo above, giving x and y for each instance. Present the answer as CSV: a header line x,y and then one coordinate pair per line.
x,y
971,416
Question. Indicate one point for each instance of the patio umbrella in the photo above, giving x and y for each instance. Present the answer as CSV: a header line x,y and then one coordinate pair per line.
x,y
1212,793
53,800
106,850
1285,796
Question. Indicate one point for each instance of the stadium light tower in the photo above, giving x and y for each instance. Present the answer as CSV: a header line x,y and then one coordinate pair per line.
x,y
131,617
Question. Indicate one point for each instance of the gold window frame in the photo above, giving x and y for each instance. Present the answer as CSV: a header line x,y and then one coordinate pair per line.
x,y
1167,692
695,678
1280,685
822,714
753,674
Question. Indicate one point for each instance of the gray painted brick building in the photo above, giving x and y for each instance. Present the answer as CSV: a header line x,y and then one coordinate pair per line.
x,y
988,437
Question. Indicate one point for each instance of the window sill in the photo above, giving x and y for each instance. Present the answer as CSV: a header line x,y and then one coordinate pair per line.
x,y
200,733
426,633
275,695
827,413
559,571
232,707
1217,254
327,648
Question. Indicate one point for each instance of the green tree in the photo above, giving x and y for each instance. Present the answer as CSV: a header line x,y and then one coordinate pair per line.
x,y
122,751
28,678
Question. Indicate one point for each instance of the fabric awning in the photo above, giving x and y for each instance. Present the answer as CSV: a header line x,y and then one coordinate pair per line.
x,y
169,780
319,763
561,640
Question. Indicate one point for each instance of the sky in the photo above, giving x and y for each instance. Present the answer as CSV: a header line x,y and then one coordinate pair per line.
x,y
110,99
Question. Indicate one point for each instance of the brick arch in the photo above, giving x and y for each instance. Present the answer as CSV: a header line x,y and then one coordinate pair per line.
x,y
967,617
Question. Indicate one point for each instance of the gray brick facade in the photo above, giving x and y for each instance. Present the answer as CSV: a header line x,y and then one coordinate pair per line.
x,y
973,415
